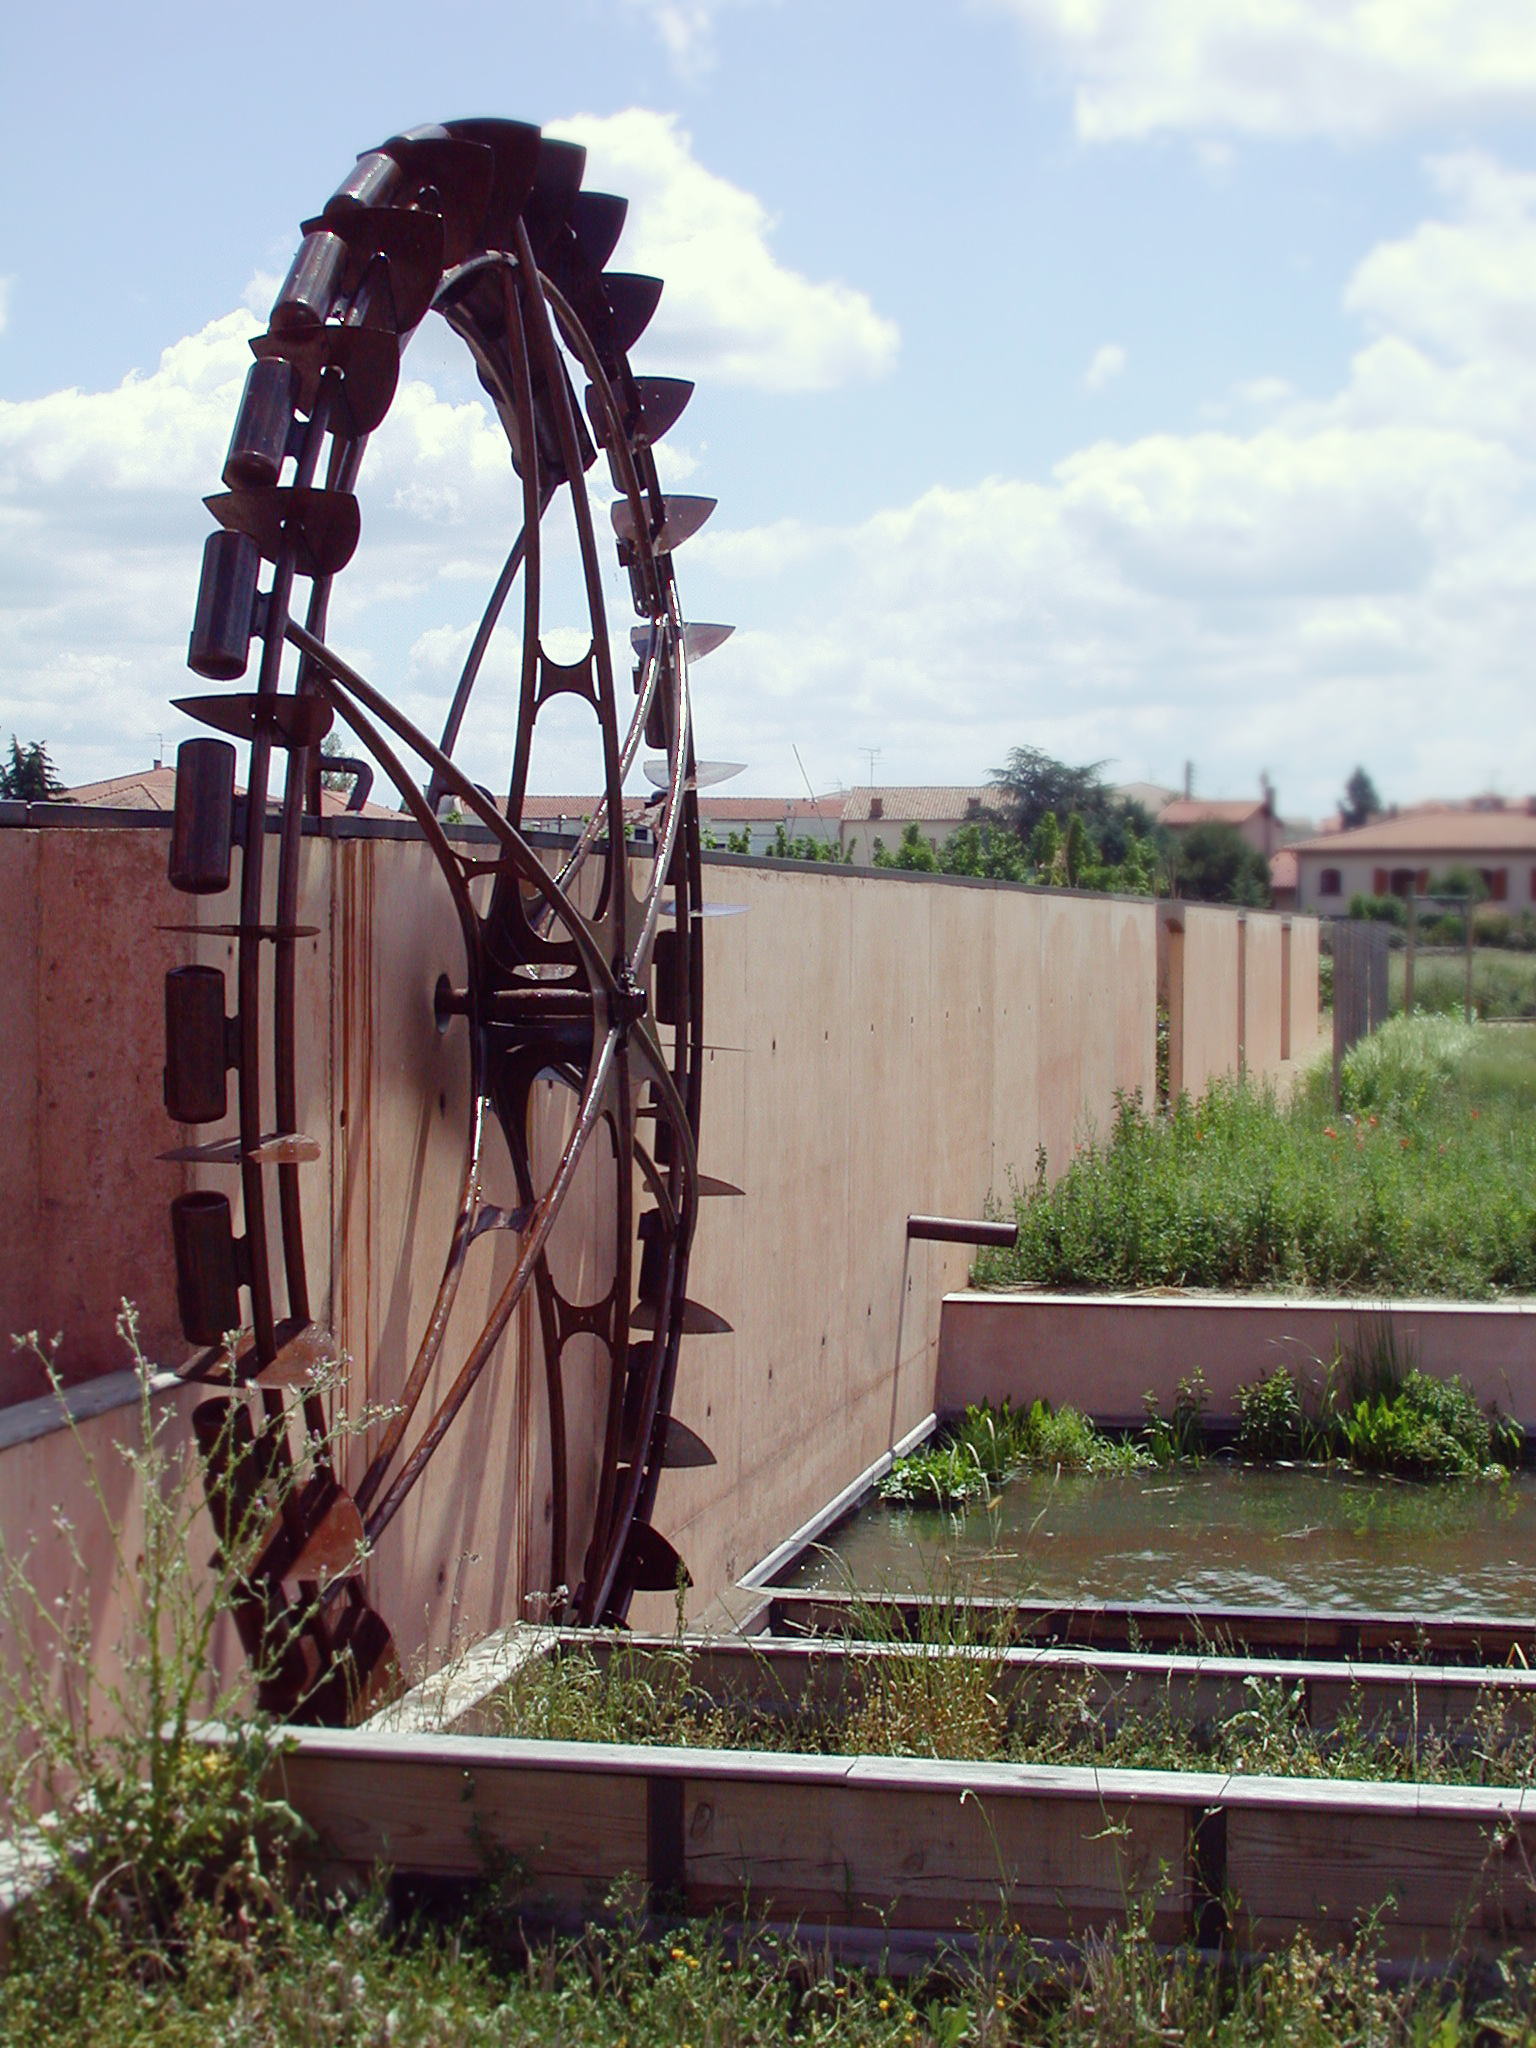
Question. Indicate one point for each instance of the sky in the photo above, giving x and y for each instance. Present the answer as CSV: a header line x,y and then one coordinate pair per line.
x,y
1149,381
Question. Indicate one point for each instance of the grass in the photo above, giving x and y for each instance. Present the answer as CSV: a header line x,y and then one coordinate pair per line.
x,y
941,1695
1503,983
360,1976
179,1913
1422,1184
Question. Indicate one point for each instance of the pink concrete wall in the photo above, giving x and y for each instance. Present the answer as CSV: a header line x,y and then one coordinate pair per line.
x,y
1241,990
877,1045
1263,1020
1102,1353
1305,1019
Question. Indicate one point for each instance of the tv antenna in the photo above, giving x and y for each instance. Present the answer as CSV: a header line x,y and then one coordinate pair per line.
x,y
874,754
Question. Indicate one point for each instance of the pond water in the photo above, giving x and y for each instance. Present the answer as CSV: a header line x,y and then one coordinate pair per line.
x,y
1215,1535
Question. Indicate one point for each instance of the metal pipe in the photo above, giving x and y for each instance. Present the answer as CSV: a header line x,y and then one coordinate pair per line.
x,y
957,1230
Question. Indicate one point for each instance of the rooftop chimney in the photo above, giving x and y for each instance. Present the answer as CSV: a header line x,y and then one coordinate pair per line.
x,y
877,807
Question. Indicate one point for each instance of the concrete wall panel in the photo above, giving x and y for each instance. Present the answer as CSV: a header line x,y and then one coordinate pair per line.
x,y
877,1045
1262,961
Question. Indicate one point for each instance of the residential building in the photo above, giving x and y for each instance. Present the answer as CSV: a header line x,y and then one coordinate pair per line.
x,y
882,814
154,789
1494,836
1253,819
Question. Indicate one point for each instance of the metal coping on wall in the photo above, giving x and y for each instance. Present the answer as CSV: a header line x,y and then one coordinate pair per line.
x,y
100,818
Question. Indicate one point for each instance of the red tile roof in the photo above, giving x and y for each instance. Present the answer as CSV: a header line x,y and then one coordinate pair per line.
x,y
1185,811
154,789
1441,831
923,803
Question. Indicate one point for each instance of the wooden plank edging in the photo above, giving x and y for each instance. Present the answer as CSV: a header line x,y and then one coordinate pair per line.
x,y
906,1843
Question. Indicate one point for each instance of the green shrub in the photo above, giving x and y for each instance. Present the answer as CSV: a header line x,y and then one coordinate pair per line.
x,y
1389,1417
1399,1067
1379,909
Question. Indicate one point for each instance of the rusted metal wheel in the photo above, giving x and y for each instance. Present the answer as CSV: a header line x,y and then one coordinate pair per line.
x,y
583,966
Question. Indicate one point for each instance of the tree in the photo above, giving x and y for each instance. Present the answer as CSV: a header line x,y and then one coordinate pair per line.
x,y
915,853
333,748
28,776
1217,865
1032,783
1077,849
1359,803
985,850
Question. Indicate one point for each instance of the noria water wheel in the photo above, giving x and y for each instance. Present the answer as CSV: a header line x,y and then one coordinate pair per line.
x,y
582,967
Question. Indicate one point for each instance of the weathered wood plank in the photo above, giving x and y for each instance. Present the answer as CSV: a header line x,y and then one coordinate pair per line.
x,y
1429,1883
1119,1625
794,1676
920,1855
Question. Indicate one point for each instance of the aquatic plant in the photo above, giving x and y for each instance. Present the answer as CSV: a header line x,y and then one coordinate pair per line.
x,y
1379,1412
1179,1437
988,1445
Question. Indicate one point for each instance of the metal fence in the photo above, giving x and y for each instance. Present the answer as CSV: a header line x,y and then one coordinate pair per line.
x,y
1360,954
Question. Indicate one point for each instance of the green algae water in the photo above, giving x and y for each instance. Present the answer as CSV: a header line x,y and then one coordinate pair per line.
x,y
1214,1535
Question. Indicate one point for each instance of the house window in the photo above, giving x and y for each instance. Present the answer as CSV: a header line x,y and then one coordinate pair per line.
x,y
1378,882
1496,882
1330,883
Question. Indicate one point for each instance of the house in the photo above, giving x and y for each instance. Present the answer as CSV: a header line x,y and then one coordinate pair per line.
x,y
1494,836
154,789
937,809
1282,879
721,818
1253,819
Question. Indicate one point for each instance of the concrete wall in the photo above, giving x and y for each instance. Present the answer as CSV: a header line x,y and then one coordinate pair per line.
x,y
82,967
1241,991
1102,1352
878,1044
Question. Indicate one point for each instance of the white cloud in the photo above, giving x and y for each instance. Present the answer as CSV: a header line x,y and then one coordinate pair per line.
x,y
1287,67
1324,580
1353,578
687,32
1107,363
730,311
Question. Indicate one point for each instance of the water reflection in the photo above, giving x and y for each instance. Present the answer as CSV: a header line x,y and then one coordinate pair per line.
x,y
1217,1535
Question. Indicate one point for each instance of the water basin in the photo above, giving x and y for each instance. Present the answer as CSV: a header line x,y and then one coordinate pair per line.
x,y
1215,1535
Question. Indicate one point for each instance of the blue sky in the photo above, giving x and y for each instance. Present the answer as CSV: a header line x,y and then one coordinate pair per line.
x,y
1148,380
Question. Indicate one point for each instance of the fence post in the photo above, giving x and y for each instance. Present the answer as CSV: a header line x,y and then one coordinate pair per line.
x,y
1468,1004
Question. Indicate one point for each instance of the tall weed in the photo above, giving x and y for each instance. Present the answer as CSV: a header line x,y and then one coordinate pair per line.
x,y
1433,1192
